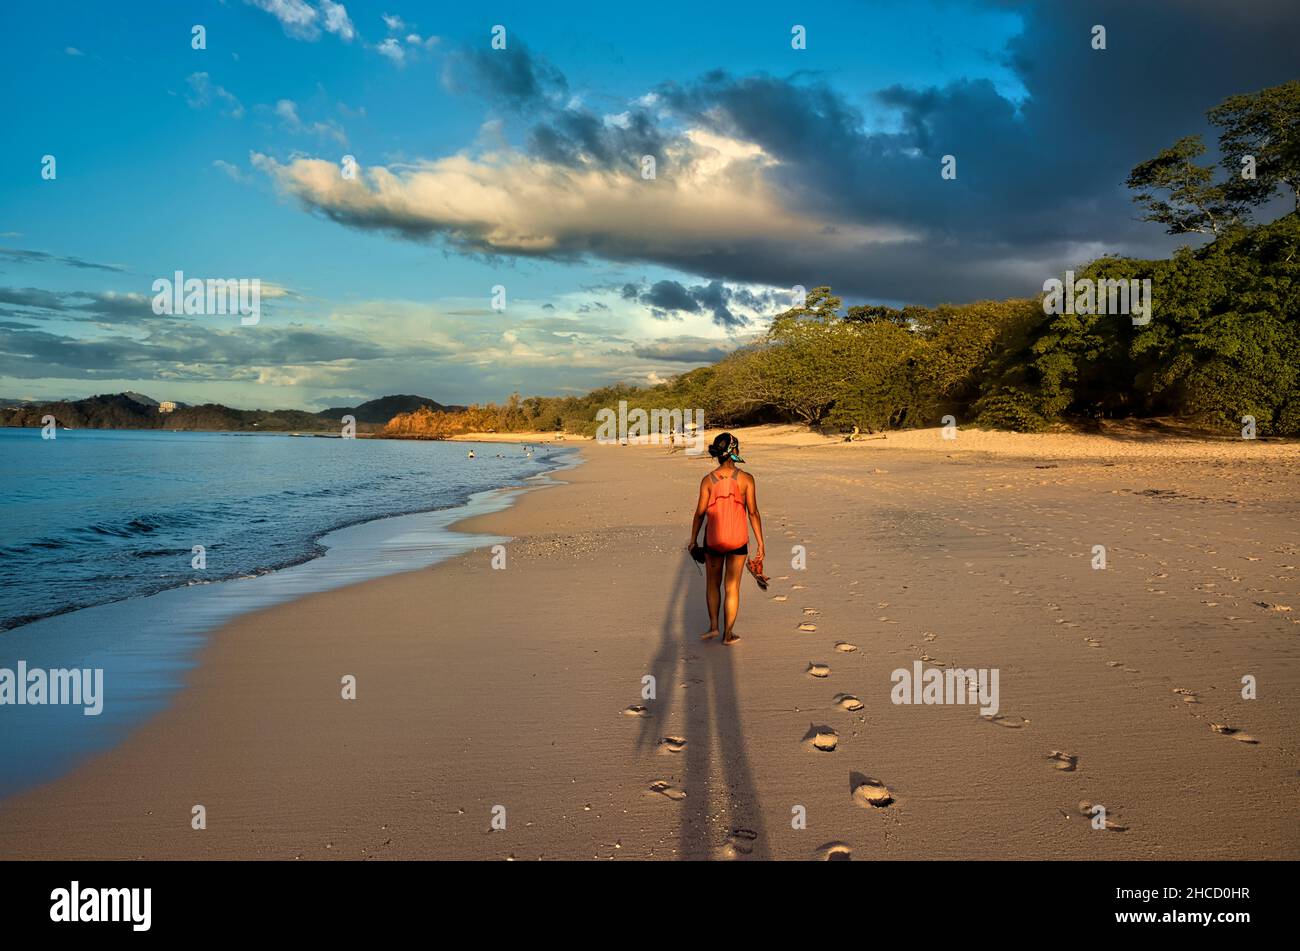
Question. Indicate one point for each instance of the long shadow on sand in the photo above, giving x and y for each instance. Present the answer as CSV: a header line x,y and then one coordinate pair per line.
x,y
701,677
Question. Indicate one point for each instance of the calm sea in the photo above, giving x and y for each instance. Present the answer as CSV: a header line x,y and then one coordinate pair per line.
x,y
102,515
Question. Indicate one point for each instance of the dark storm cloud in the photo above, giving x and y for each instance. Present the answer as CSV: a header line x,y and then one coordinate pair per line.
x,y
565,133
512,77
670,295
667,299
577,137
1039,183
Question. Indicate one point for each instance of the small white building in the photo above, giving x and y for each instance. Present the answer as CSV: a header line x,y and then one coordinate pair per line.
x,y
166,406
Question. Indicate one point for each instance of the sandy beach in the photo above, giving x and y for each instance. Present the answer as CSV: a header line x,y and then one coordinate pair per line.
x,y
480,688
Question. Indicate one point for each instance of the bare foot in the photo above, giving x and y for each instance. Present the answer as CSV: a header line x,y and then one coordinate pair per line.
x,y
730,638
709,634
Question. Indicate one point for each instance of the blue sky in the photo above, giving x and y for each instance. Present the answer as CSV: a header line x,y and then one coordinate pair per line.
x,y
517,167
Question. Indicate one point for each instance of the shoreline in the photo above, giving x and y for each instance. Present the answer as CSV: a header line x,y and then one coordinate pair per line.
x,y
317,551
478,687
147,644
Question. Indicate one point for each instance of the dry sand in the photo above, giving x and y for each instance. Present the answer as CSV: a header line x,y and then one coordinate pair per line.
x,y
480,688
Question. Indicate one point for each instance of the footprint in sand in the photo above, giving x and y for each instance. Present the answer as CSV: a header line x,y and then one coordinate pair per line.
x,y
807,628
1234,732
1085,808
741,842
672,744
779,597
818,670
844,647
796,587
1092,642
661,788
1065,762
1187,695
869,793
835,852
846,701
1010,722
821,738
811,612
636,710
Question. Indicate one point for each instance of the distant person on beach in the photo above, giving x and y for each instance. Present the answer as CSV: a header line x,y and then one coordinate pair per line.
x,y
729,498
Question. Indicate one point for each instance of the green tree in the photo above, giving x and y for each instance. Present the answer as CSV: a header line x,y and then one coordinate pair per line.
x,y
1265,126
1180,194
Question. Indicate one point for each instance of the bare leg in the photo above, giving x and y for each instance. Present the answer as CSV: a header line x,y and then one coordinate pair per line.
x,y
735,571
713,565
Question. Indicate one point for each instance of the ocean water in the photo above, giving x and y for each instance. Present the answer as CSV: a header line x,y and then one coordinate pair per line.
x,y
101,515
96,536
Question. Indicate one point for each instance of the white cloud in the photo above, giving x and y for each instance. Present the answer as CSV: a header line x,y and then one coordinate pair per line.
x,y
287,111
233,171
297,17
392,49
304,22
718,197
73,51
204,92
337,21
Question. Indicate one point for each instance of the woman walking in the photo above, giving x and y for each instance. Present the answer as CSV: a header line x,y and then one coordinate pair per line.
x,y
729,499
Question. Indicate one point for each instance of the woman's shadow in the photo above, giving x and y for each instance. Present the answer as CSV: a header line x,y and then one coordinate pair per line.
x,y
701,677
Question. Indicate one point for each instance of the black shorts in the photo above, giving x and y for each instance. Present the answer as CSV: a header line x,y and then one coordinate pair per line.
x,y
742,550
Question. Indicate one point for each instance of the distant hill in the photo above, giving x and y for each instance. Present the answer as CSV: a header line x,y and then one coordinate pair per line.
x,y
110,411
135,411
384,408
